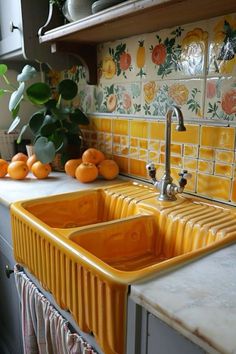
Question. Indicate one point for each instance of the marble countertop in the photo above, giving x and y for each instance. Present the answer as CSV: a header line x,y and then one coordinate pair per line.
x,y
31,187
197,299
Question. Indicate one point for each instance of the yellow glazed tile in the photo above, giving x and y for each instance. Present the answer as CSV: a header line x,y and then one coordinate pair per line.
x,y
116,149
143,154
124,140
205,166
157,130
218,137
122,163
206,153
190,136
154,145
101,124
191,150
153,156
174,160
213,187
134,142
120,126
139,129
223,170
137,168
224,156
133,151
124,150
175,149
116,139
233,197
190,164
143,144
107,138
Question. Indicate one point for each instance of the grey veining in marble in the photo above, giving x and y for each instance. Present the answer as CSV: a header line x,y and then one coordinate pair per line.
x,y
198,299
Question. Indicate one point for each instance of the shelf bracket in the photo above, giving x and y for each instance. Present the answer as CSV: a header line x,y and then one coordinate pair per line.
x,y
86,54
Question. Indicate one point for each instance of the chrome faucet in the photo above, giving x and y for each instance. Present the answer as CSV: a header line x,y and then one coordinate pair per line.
x,y
168,190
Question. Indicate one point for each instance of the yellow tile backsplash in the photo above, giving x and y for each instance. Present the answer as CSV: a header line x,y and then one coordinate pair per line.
x,y
135,142
218,137
213,187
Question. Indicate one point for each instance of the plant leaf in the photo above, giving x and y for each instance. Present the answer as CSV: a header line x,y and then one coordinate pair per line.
x,y
67,89
28,72
23,129
13,125
3,69
36,122
39,93
44,150
16,97
79,117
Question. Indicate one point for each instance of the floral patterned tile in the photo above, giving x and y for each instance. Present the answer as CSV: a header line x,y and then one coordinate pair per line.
x,y
118,98
222,48
178,52
85,98
157,96
116,61
220,102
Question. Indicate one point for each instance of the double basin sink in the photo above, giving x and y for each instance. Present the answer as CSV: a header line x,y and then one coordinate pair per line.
x,y
87,247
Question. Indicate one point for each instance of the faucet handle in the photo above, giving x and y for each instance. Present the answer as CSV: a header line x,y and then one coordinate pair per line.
x,y
151,169
184,174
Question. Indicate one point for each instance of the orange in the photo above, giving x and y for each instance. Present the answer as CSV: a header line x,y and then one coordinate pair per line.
x,y
3,167
93,155
17,169
86,172
41,170
108,169
20,157
71,165
31,160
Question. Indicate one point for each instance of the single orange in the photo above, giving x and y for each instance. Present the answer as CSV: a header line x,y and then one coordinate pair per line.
x,y
20,156
3,167
71,165
93,155
17,169
86,172
31,160
41,170
108,169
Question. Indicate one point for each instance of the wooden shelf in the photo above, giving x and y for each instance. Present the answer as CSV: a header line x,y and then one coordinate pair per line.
x,y
136,17
130,18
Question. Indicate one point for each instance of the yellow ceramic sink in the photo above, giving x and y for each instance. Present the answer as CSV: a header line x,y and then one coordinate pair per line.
x,y
87,247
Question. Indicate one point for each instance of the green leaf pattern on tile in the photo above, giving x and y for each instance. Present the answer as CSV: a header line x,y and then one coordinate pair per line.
x,y
166,54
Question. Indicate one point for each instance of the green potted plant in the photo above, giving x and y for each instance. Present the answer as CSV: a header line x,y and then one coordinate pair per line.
x,y
56,122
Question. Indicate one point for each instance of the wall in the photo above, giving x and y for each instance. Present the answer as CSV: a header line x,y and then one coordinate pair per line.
x,y
192,66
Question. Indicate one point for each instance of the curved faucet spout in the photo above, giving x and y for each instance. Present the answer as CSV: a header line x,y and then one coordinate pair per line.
x,y
180,127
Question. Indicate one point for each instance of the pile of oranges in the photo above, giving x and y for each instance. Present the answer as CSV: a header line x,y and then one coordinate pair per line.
x,y
92,164
21,165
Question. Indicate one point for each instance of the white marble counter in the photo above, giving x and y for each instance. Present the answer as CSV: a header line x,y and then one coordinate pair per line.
x,y
199,300
31,187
